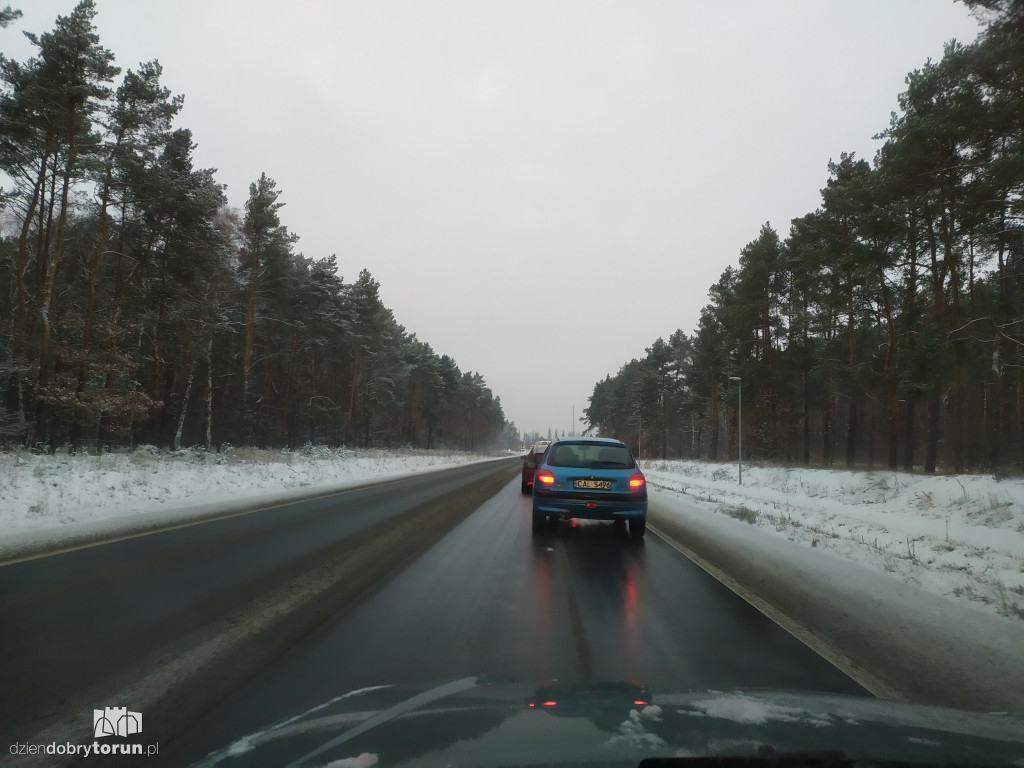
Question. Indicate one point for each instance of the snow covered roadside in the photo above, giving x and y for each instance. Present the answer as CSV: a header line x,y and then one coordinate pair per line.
x,y
49,502
959,536
900,641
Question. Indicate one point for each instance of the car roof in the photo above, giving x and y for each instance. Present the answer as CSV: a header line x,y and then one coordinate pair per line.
x,y
602,440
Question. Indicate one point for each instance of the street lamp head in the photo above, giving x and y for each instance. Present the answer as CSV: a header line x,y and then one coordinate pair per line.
x,y
735,378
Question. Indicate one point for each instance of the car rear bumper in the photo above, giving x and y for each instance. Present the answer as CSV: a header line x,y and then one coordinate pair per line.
x,y
590,508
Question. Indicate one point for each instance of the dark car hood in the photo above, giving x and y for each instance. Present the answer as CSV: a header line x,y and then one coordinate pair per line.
x,y
492,722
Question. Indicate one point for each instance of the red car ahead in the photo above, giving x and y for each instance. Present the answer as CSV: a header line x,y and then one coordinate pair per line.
x,y
530,463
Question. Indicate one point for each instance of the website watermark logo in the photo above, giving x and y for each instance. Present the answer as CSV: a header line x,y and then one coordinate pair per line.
x,y
115,721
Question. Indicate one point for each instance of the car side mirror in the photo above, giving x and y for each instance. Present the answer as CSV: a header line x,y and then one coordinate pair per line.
x,y
531,464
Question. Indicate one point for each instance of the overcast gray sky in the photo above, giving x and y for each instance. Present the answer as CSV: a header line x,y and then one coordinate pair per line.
x,y
542,188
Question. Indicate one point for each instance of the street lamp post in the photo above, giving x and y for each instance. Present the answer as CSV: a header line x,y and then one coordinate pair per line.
x,y
740,445
640,435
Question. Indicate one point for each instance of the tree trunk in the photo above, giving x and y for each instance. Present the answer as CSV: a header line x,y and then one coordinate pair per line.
x,y
209,393
807,420
90,302
891,405
714,421
21,290
826,426
851,432
938,309
908,435
250,333
184,404
931,456
910,323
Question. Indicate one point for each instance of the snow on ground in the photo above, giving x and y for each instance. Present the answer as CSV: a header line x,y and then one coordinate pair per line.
x,y
63,498
961,536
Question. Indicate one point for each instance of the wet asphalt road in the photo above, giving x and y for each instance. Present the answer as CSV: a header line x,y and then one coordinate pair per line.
x,y
579,603
78,625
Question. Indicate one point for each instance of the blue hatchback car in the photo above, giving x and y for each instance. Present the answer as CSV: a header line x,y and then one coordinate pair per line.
x,y
590,478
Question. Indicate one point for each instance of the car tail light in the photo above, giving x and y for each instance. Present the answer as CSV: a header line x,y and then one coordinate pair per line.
x,y
636,481
641,703
546,477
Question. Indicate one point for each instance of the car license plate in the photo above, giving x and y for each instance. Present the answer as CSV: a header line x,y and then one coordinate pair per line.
x,y
592,485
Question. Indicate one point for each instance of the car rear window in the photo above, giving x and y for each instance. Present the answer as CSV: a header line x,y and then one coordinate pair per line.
x,y
591,456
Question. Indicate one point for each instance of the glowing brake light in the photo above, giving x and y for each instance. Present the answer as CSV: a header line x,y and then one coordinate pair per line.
x,y
546,477
636,481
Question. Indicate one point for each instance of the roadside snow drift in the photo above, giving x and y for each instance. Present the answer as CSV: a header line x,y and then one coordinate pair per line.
x,y
961,536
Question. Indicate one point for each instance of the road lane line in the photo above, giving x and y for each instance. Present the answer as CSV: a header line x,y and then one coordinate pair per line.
x,y
819,645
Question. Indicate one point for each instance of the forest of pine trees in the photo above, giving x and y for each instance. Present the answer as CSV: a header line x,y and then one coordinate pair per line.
x,y
138,307
887,328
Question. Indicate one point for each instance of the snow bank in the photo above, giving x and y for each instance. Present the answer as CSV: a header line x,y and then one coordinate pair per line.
x,y
958,536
